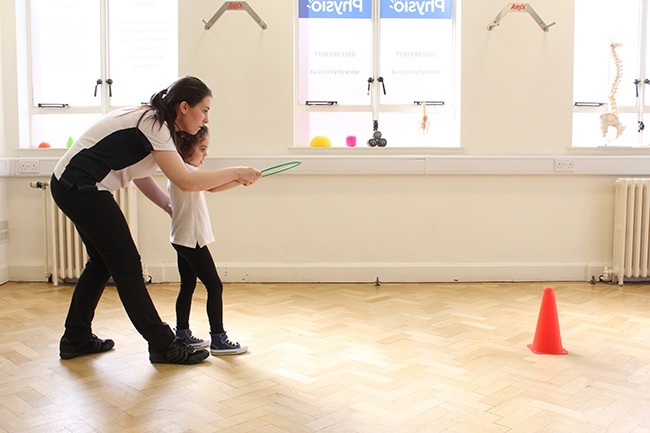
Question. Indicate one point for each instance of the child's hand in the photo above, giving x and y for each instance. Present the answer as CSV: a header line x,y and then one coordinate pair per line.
x,y
247,175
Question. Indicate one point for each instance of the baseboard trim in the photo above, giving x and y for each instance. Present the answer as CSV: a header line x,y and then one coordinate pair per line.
x,y
393,272
4,274
362,272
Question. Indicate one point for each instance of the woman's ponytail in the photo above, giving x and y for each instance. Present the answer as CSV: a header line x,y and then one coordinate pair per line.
x,y
159,106
165,103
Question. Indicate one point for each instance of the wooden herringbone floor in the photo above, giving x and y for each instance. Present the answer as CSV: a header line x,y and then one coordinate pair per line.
x,y
340,358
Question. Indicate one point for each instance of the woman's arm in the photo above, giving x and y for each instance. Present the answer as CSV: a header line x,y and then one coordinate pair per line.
x,y
154,192
174,168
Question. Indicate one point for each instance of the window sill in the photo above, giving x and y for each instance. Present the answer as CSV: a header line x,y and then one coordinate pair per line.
x,y
367,150
378,162
381,163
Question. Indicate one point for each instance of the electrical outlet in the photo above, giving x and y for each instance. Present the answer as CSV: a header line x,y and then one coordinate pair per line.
x,y
565,165
27,166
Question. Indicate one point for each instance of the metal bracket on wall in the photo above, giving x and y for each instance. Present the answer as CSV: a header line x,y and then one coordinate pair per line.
x,y
234,6
519,7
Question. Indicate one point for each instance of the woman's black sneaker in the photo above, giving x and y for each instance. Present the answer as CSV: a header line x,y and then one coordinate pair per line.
x,y
69,349
177,352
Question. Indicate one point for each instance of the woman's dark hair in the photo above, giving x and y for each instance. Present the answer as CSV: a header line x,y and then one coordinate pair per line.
x,y
164,103
185,142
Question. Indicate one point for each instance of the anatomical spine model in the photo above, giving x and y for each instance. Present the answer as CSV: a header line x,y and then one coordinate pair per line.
x,y
611,118
424,119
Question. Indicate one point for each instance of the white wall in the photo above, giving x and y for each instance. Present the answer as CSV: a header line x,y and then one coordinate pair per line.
x,y
438,225
4,246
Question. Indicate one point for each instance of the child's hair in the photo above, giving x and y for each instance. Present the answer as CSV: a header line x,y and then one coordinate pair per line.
x,y
185,142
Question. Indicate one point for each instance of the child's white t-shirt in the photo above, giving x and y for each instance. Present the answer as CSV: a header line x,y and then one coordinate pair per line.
x,y
190,217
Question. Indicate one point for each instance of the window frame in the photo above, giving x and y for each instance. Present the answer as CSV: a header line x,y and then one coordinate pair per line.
x,y
29,107
375,108
642,102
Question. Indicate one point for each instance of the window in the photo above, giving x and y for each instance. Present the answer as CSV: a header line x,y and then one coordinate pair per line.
x,y
371,71
611,70
89,57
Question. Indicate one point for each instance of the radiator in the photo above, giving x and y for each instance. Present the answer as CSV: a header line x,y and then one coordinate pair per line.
x,y
65,253
631,229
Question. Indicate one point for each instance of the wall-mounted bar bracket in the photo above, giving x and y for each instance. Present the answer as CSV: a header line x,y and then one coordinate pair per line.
x,y
519,7
234,6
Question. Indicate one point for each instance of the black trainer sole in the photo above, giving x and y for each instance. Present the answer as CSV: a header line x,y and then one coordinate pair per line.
x,y
195,358
105,347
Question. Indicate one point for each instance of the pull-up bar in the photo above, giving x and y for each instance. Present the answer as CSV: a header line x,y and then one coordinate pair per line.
x,y
519,7
234,6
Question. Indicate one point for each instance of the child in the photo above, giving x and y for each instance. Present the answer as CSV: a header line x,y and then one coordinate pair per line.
x,y
191,231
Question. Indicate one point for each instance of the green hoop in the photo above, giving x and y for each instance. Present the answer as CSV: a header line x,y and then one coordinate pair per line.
x,y
280,168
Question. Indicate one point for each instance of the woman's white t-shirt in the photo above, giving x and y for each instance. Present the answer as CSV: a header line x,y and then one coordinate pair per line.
x,y
114,151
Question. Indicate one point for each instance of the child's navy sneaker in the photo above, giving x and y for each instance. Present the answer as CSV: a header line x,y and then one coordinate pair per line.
x,y
185,335
221,345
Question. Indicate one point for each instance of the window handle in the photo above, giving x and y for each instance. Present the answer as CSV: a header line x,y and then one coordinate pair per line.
x,y
370,81
383,86
97,83
636,84
110,88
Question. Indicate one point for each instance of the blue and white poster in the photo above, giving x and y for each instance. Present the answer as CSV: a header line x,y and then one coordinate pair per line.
x,y
335,9
440,9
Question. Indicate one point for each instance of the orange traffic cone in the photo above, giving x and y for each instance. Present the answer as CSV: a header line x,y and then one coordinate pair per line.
x,y
547,336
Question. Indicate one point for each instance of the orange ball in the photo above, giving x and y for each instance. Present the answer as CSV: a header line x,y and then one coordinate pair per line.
x,y
44,145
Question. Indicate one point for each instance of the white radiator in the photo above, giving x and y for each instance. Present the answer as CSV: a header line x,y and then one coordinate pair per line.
x,y
631,229
65,253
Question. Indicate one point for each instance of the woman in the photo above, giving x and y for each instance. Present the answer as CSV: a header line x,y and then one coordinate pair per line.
x,y
130,144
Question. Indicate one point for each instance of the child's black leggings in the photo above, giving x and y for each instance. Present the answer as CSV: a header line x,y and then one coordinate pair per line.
x,y
193,263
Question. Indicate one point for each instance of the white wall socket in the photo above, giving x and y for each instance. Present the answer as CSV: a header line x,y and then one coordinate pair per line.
x,y
565,165
27,166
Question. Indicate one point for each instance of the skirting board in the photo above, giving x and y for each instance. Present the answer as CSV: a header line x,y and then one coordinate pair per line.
x,y
363,272
4,275
392,272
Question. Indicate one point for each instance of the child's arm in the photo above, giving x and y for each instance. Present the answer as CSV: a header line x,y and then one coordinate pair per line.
x,y
225,187
173,167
